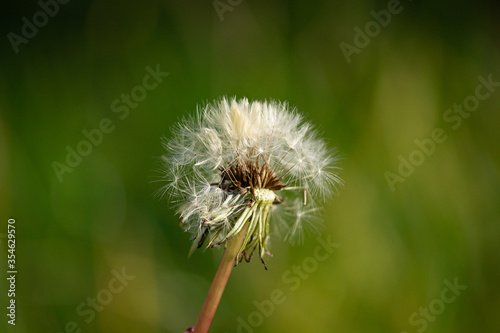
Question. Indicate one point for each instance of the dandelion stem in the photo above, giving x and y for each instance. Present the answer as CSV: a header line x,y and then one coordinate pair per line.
x,y
219,283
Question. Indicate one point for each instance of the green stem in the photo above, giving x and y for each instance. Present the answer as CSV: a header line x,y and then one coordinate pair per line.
x,y
219,283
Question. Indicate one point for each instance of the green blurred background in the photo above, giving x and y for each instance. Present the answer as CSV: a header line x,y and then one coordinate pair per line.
x,y
397,248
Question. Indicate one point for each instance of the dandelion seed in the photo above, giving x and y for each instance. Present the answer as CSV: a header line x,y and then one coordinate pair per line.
x,y
235,165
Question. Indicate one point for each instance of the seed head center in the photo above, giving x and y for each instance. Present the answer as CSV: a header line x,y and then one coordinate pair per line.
x,y
264,195
250,176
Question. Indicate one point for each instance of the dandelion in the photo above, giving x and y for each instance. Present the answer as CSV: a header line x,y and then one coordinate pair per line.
x,y
234,166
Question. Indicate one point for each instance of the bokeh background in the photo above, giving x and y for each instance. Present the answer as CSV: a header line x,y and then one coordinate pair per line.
x,y
397,248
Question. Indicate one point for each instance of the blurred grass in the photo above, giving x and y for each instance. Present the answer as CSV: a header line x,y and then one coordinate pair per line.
x,y
396,249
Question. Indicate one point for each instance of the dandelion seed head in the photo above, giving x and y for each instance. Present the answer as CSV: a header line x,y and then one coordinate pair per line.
x,y
234,161
297,220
